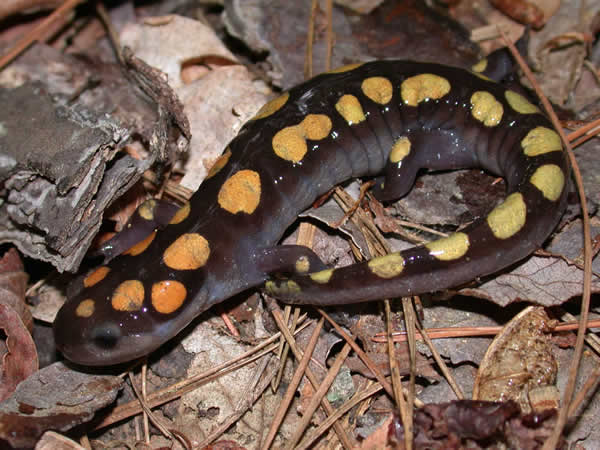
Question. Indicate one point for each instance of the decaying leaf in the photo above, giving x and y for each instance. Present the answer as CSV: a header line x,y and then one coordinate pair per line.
x,y
545,281
10,7
51,440
13,283
55,398
20,357
424,367
379,439
475,425
217,103
522,11
519,364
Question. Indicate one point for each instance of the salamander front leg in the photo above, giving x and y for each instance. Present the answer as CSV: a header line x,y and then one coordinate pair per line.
x,y
147,218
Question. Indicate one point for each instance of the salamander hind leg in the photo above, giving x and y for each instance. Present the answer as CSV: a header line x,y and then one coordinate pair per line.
x,y
432,149
288,260
399,173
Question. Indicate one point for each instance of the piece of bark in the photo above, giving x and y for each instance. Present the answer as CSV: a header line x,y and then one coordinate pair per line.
x,y
54,163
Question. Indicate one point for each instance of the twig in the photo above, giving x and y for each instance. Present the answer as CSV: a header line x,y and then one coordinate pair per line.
x,y
406,413
36,34
318,396
244,405
355,400
450,332
339,430
552,441
583,130
157,422
178,389
291,390
440,361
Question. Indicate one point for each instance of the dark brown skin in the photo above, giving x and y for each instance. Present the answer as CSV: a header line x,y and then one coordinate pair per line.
x,y
443,133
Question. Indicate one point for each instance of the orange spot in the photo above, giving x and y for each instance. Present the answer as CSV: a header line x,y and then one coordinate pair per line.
x,y
168,296
96,276
219,163
85,309
141,246
181,214
103,237
128,296
241,192
189,252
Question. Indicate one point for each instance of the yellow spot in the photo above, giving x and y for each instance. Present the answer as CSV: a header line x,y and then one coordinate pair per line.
x,y
400,150
480,66
189,252
322,276
272,106
282,288
141,246
128,296
541,140
146,209
85,309
378,89
316,126
219,163
241,192
349,108
520,104
181,214
302,265
508,217
549,179
423,87
168,296
290,142
483,77
449,248
486,108
96,276
387,266
346,68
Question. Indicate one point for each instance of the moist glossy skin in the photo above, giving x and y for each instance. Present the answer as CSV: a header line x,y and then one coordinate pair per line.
x,y
387,118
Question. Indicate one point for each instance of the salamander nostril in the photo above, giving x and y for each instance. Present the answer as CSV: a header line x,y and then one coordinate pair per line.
x,y
106,337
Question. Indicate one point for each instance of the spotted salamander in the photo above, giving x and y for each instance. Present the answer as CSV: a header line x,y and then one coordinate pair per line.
x,y
383,119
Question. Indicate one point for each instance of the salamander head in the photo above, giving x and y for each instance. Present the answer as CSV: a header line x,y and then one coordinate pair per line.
x,y
116,321
103,342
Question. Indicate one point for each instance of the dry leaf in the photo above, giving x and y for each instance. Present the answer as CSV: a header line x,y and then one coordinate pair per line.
x,y
20,359
519,360
57,398
545,281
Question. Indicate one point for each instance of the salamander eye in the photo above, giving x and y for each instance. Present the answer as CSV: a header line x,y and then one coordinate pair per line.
x,y
106,337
